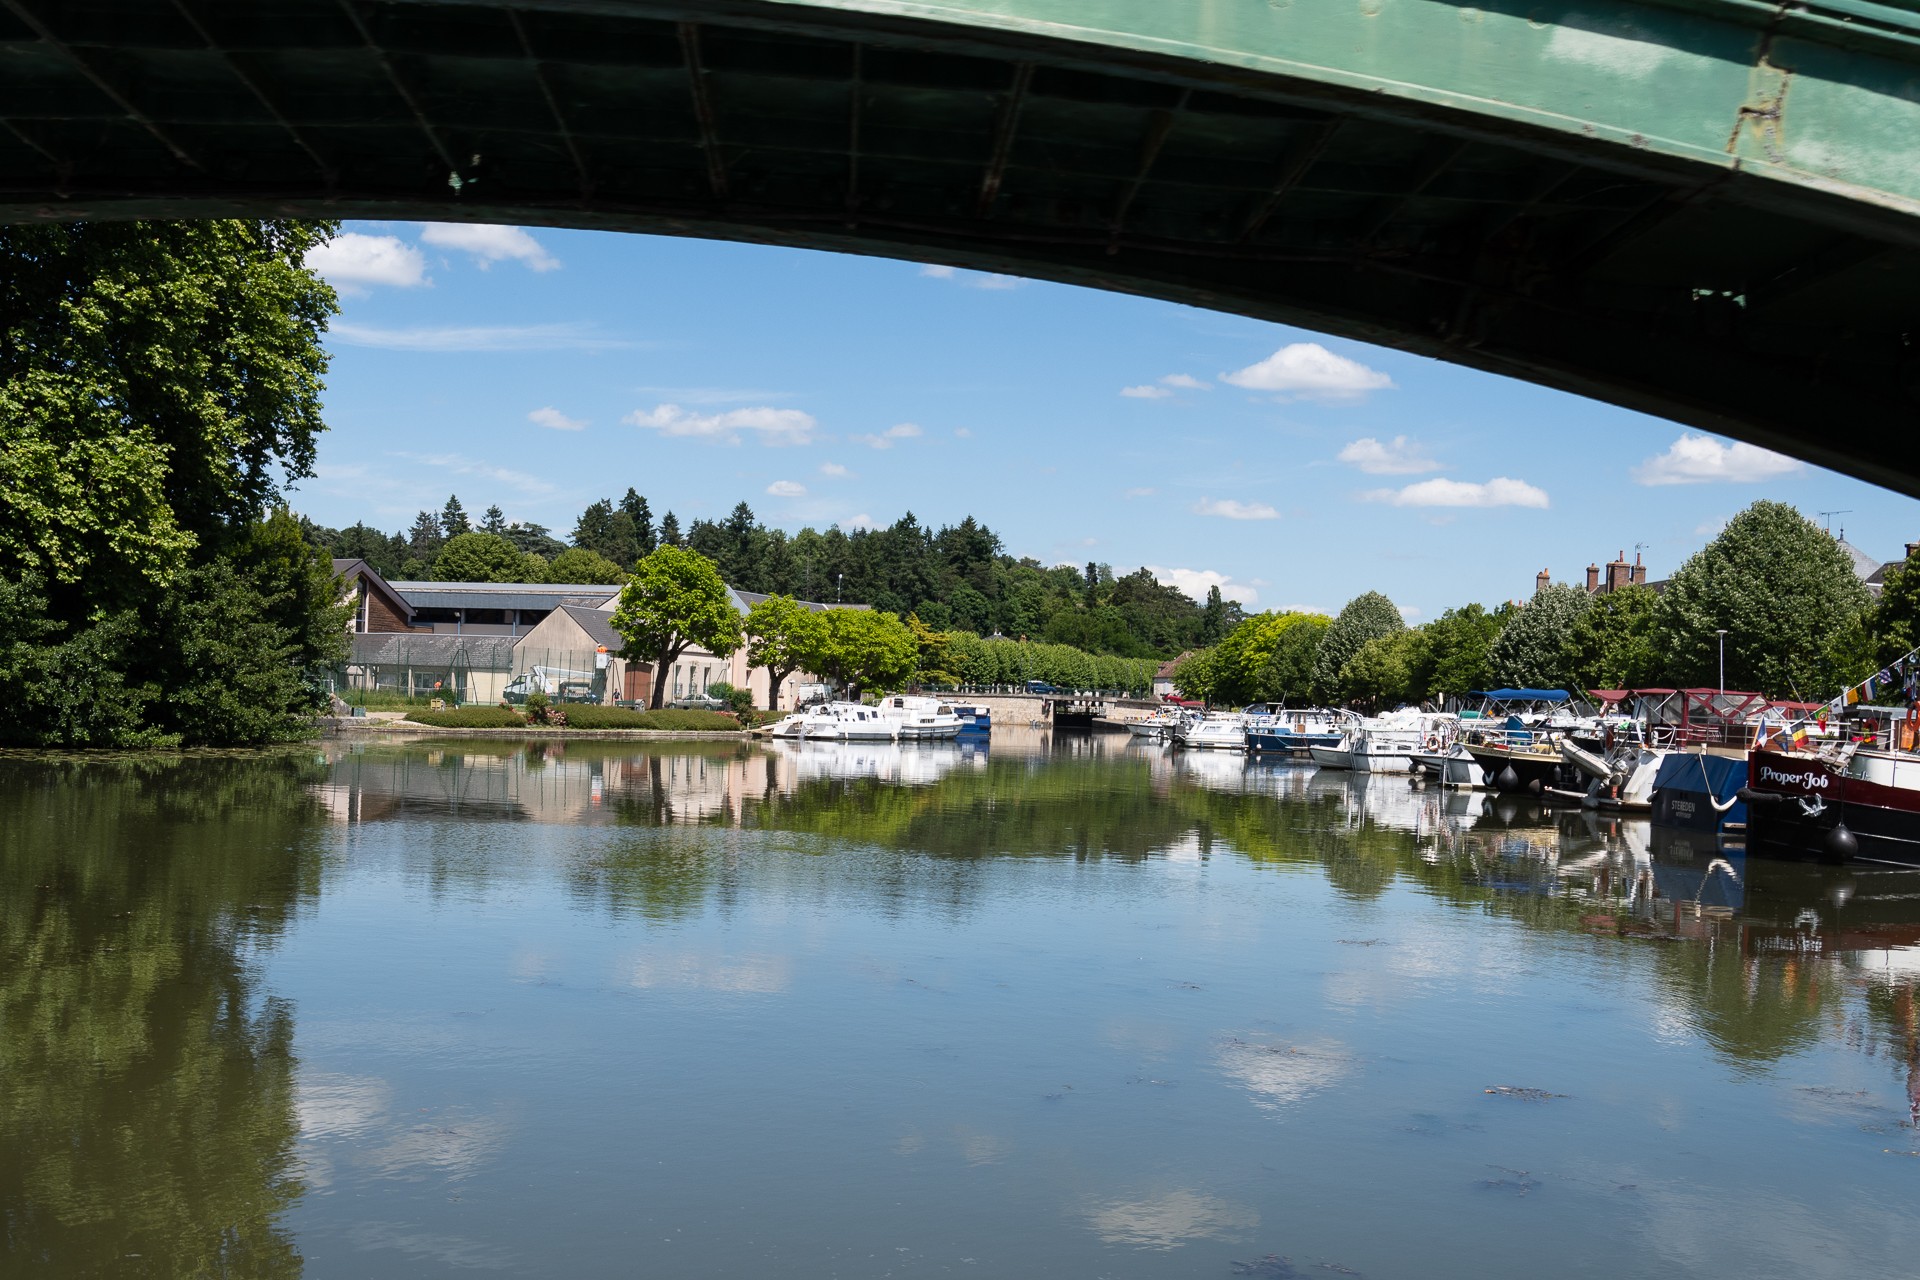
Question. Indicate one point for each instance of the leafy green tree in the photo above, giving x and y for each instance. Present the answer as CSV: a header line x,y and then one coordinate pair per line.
x,y
1365,617
670,530
781,635
494,521
639,521
1455,660
1239,670
1531,650
479,557
1784,592
534,539
577,564
1611,645
453,518
423,539
674,601
1382,673
934,661
1213,617
1288,676
865,649
1895,621
1197,675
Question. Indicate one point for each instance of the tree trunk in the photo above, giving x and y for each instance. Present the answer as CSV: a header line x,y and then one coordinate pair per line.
x,y
660,668
774,676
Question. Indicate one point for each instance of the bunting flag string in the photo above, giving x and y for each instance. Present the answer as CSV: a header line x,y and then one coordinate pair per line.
x,y
1902,674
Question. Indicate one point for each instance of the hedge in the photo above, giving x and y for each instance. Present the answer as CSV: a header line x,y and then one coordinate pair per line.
x,y
469,718
580,716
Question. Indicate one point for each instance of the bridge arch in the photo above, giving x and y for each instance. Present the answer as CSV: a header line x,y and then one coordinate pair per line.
x,y
1704,209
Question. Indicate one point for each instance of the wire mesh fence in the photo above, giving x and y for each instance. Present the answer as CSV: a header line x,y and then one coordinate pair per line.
x,y
405,669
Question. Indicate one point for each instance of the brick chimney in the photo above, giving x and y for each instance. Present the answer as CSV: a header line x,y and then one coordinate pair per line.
x,y
1617,572
1593,578
1913,551
1540,581
1639,571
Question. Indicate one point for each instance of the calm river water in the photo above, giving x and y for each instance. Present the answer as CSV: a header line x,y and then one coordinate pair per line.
x,y
1079,1009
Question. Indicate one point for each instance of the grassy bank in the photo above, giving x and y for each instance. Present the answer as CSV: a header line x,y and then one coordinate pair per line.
x,y
579,717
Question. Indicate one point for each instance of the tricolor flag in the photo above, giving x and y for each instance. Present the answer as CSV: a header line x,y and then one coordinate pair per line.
x,y
1799,735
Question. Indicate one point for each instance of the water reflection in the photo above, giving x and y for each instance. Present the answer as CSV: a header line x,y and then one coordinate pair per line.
x,y
1159,997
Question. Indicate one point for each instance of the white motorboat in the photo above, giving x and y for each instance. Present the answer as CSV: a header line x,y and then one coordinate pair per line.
x,y
1338,756
1156,727
838,722
1387,743
1215,731
920,719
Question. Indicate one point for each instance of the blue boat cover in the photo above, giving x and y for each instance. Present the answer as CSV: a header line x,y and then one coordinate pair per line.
x,y
1527,695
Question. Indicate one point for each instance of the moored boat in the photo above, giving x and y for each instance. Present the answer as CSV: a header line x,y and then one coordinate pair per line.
x,y
1298,730
1215,731
916,718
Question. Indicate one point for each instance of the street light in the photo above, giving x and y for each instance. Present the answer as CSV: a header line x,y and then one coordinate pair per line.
x,y
837,578
1722,633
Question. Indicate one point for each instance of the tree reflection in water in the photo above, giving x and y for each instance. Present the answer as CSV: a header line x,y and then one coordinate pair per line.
x,y
147,1113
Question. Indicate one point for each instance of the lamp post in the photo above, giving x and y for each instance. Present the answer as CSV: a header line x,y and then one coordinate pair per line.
x,y
837,579
1722,633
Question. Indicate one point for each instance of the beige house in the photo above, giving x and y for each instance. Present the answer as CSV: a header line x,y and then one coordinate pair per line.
x,y
581,640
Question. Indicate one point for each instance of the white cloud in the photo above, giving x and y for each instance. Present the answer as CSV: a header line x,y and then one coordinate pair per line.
x,y
833,469
774,426
1166,386
1501,491
489,244
351,260
1310,371
964,433
1186,382
787,489
554,420
461,465
1195,583
971,279
1145,491
539,337
1233,509
1700,459
1397,457
900,431
861,521
1146,391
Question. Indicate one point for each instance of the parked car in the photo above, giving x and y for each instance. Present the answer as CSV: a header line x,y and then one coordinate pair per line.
x,y
1040,686
697,702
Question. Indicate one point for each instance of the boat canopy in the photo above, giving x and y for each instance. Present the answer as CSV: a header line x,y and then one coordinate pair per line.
x,y
1523,695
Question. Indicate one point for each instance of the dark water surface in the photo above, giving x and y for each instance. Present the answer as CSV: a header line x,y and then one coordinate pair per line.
x,y
1057,1009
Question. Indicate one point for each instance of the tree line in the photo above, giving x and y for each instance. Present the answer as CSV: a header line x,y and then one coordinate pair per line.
x,y
958,577
1772,595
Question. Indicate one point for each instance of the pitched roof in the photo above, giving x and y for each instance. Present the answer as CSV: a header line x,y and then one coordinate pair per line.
x,y
423,649
504,595
1165,671
1864,565
350,569
748,599
597,623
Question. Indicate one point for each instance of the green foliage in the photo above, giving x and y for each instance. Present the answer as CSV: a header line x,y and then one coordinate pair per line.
x,y
1382,673
539,708
679,721
1241,667
1013,662
1288,675
473,717
864,649
1455,660
1365,617
576,564
158,381
65,685
675,600
479,557
1196,675
1531,650
1895,621
1787,597
738,700
934,660
1611,645
781,635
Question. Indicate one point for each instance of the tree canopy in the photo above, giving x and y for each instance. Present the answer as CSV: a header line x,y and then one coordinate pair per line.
x,y
1787,597
1531,650
160,382
782,635
1365,617
674,601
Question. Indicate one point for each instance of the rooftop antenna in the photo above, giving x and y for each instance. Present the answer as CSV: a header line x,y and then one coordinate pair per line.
x,y
1638,547
1829,515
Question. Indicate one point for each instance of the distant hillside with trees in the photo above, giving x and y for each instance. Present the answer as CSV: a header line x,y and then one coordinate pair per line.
x,y
955,578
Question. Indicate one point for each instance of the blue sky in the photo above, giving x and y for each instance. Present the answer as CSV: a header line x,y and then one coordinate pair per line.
x,y
543,369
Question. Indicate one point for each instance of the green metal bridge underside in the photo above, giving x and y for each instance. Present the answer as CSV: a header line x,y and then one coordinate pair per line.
x,y
1704,209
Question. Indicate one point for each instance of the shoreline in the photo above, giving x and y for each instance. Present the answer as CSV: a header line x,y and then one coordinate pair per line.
x,y
367,727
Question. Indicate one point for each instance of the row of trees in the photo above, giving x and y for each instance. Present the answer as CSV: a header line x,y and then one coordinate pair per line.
x,y
159,381
676,600
955,578
1795,620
